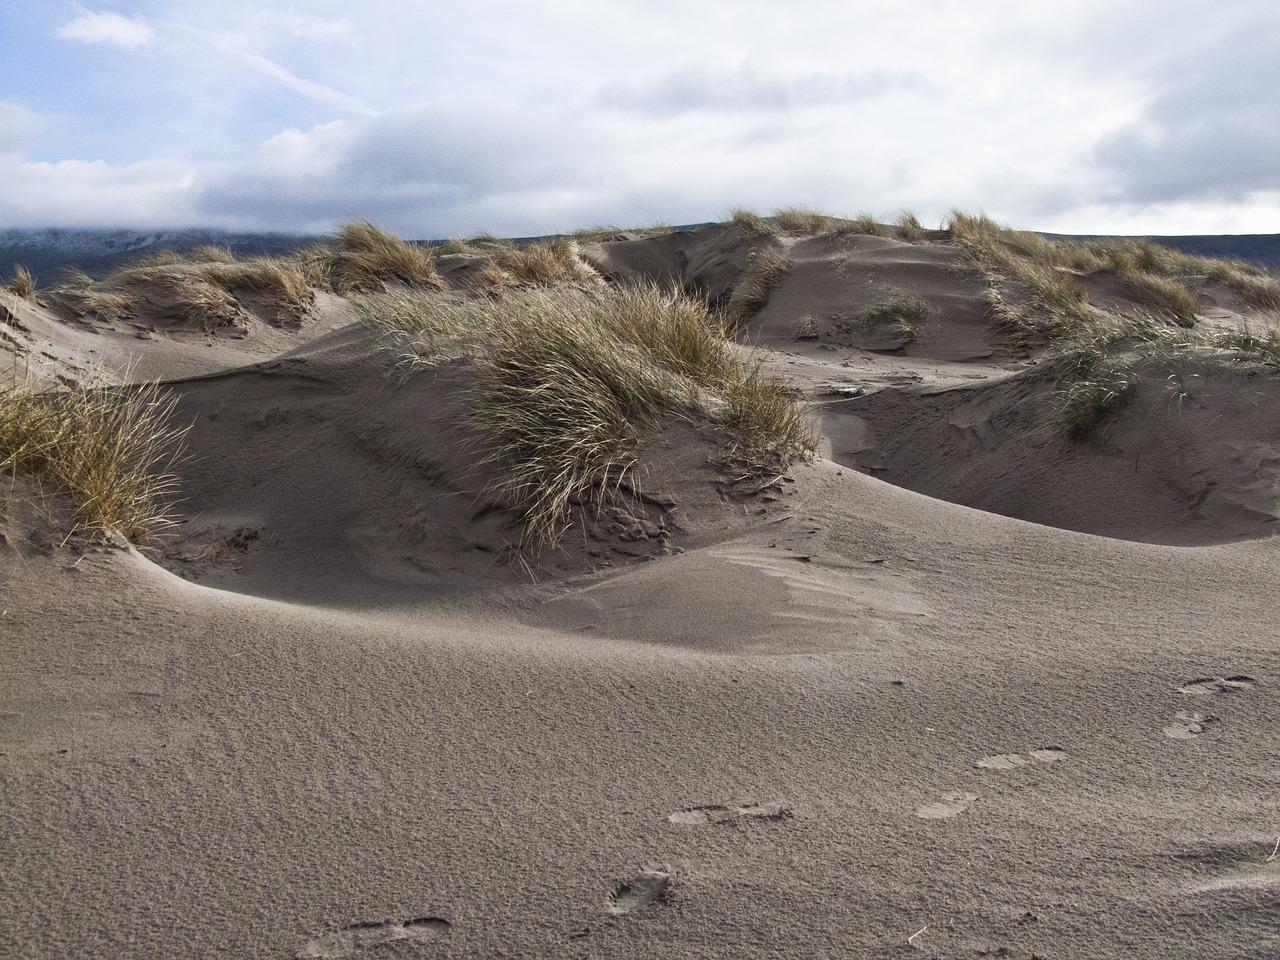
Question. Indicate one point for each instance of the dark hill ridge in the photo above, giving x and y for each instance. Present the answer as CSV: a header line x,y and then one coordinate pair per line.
x,y
46,252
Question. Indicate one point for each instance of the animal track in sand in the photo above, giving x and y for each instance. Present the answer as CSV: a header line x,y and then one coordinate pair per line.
x,y
1188,726
714,813
645,888
951,805
1011,761
360,936
1205,686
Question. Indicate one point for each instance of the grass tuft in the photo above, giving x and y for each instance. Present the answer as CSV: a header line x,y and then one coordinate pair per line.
x,y
765,270
804,220
551,261
908,227
1167,297
863,225
905,315
23,283
366,258
752,224
570,380
112,450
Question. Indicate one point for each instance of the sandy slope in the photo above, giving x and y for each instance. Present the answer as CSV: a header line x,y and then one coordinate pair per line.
x,y
848,720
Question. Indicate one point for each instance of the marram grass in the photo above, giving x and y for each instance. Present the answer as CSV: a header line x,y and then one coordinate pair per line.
x,y
111,450
570,380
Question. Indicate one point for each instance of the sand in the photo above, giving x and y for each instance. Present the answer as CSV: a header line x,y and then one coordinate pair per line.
x,y
835,717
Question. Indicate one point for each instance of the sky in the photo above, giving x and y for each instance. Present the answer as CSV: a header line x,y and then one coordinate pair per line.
x,y
518,118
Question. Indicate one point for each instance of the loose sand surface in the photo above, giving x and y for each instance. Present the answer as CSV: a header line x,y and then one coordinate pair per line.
x,y
824,716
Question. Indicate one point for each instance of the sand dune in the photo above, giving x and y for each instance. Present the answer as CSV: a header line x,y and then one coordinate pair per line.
x,y
1020,700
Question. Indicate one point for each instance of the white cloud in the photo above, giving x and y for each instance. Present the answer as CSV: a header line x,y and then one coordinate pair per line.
x,y
529,118
114,29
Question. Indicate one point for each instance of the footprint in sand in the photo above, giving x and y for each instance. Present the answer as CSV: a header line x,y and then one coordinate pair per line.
x,y
1207,686
1188,726
951,805
645,888
1011,761
360,936
698,816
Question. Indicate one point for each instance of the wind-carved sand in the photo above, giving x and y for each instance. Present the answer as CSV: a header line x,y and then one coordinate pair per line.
x,y
993,673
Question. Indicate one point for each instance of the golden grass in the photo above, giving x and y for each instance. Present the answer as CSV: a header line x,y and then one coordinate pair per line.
x,y
908,227
804,220
366,258
456,246
570,380
1056,304
551,261
23,283
864,224
765,270
210,253
104,305
752,224
1168,298
1050,273
111,450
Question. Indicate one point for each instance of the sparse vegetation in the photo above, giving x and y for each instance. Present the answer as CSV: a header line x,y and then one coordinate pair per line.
x,y
807,329
1095,375
908,228
23,283
864,224
111,450
804,220
1045,279
904,315
209,253
364,258
752,224
552,261
765,270
1168,298
1056,303
569,380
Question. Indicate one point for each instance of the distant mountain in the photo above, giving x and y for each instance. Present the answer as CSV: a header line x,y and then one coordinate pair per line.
x,y
97,252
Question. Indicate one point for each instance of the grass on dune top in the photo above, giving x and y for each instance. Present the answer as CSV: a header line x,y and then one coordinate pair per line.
x,y
1052,273
570,380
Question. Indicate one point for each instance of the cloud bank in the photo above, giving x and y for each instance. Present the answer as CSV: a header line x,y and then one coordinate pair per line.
x,y
520,120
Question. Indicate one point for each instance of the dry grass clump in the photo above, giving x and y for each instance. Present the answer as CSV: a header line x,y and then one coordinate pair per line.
x,y
456,246
1049,272
89,299
23,283
1254,286
908,227
863,225
112,451
192,298
279,279
752,224
1096,374
904,314
765,269
1260,342
570,380
804,220
210,253
1167,297
551,261
364,257
1056,305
